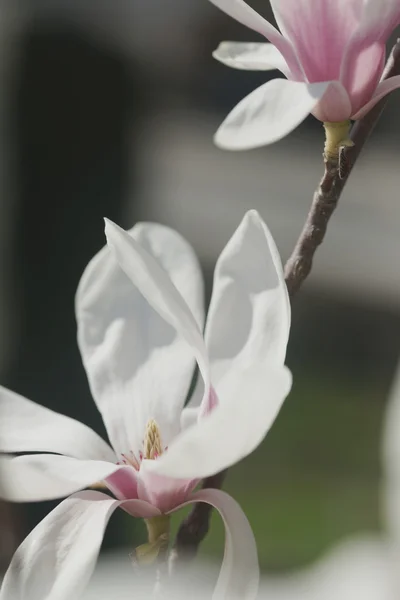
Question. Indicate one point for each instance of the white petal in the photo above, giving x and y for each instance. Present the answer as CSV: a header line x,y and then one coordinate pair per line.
x,y
36,477
239,575
28,427
190,414
268,114
249,403
249,316
57,559
136,362
251,56
242,12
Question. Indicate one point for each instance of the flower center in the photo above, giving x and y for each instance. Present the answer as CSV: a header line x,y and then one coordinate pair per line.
x,y
152,446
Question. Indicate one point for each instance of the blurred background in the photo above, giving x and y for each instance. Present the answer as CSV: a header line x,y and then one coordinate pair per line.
x,y
108,108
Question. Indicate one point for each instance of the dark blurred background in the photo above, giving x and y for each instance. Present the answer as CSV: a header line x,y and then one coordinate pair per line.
x,y
107,108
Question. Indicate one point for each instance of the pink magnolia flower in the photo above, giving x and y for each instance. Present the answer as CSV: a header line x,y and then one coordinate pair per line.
x,y
139,309
332,53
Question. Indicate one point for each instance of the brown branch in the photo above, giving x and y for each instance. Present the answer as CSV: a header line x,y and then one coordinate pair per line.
x,y
195,527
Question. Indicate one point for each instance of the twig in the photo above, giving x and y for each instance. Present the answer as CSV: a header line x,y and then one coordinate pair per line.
x,y
195,527
331,187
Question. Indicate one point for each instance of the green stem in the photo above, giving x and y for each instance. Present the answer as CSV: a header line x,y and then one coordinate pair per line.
x,y
337,137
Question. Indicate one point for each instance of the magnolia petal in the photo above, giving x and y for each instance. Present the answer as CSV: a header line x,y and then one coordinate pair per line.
x,y
37,477
164,492
57,559
249,316
335,105
362,73
239,10
384,88
319,32
135,361
159,291
251,56
268,114
190,414
249,402
376,21
28,427
239,574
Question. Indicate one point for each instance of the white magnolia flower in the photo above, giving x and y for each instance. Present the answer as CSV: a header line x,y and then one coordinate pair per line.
x,y
139,309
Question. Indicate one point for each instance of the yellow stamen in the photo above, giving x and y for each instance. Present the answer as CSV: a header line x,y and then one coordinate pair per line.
x,y
152,441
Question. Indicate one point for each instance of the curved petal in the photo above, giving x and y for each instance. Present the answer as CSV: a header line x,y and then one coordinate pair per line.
x,y
135,361
164,492
28,427
376,21
37,477
239,574
268,114
249,316
57,559
251,57
249,402
239,10
384,88
363,73
335,105
152,281
319,32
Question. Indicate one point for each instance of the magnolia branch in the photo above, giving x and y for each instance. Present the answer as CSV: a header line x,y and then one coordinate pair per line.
x,y
331,187
195,527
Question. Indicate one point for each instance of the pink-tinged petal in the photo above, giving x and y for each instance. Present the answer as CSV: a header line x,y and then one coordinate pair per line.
x,y
28,427
123,483
335,106
250,399
239,574
268,114
376,21
251,57
362,73
319,32
152,281
57,559
239,10
163,492
136,363
199,406
37,477
384,88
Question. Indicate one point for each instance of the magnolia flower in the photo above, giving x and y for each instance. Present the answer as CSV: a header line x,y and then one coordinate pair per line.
x,y
139,309
332,53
